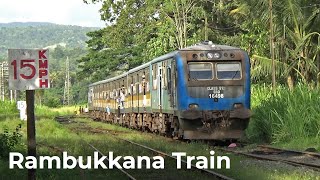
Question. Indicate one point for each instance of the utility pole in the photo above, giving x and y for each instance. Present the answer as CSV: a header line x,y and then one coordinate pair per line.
x,y
205,28
2,81
272,47
4,76
67,84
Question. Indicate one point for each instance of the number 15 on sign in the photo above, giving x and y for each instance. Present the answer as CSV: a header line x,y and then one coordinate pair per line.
x,y
28,69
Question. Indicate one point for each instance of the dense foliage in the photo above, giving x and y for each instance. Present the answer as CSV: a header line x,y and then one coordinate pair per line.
x,y
9,141
284,115
54,96
284,32
140,30
64,42
40,35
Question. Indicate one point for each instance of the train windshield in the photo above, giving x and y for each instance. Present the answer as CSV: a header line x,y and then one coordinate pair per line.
x,y
228,71
200,71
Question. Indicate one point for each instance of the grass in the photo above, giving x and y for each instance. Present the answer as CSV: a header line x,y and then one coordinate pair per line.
x,y
52,133
241,168
44,111
8,110
286,117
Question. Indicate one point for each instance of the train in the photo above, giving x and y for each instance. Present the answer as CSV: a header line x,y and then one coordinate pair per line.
x,y
198,92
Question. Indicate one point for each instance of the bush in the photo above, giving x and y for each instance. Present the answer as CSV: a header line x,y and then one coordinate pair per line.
x,y
8,141
52,102
284,115
8,108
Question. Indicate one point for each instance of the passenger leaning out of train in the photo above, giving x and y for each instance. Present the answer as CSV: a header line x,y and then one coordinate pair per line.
x,y
122,98
108,109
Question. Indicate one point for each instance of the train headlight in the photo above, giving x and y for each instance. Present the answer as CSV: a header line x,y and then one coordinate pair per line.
x,y
210,55
237,105
193,106
214,55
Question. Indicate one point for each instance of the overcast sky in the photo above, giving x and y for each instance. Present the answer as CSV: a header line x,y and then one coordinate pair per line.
x,y
69,12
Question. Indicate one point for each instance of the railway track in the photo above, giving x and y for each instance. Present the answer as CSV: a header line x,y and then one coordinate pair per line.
x,y
212,173
123,171
310,160
61,150
296,158
104,131
68,119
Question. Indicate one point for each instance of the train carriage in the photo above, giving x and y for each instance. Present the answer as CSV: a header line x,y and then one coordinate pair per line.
x,y
199,92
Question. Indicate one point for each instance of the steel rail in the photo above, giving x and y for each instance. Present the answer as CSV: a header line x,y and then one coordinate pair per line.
x,y
217,175
291,162
220,176
292,151
94,148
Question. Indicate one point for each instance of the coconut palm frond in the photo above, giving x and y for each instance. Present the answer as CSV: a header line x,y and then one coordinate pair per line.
x,y
262,66
242,10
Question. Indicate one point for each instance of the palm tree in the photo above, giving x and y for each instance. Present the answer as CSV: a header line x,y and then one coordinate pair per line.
x,y
302,44
296,37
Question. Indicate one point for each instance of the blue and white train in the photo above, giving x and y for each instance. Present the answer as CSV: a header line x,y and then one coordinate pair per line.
x,y
198,92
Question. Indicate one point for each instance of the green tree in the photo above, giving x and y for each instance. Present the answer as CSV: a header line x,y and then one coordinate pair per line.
x,y
142,30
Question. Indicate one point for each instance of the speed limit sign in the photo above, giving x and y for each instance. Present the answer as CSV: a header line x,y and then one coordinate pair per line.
x,y
28,69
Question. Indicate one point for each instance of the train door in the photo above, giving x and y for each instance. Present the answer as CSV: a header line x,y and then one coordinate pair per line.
x,y
159,85
171,82
90,98
131,92
138,92
154,88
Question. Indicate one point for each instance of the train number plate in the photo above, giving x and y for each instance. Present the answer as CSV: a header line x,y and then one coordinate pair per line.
x,y
216,91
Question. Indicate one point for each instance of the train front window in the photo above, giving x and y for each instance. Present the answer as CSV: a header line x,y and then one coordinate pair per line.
x,y
228,71
200,71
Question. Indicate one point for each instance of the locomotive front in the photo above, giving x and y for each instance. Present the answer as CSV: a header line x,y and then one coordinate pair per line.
x,y
213,91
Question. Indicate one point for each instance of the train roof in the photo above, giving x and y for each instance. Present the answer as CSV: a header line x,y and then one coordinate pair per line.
x,y
206,45
160,58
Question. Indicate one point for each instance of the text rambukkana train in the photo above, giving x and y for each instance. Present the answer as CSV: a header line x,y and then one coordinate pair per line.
x,y
198,92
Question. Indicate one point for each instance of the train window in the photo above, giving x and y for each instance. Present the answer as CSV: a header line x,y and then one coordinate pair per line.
x,y
129,90
146,80
90,95
147,76
169,78
164,75
228,71
134,89
116,93
147,87
200,71
154,71
154,76
140,88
